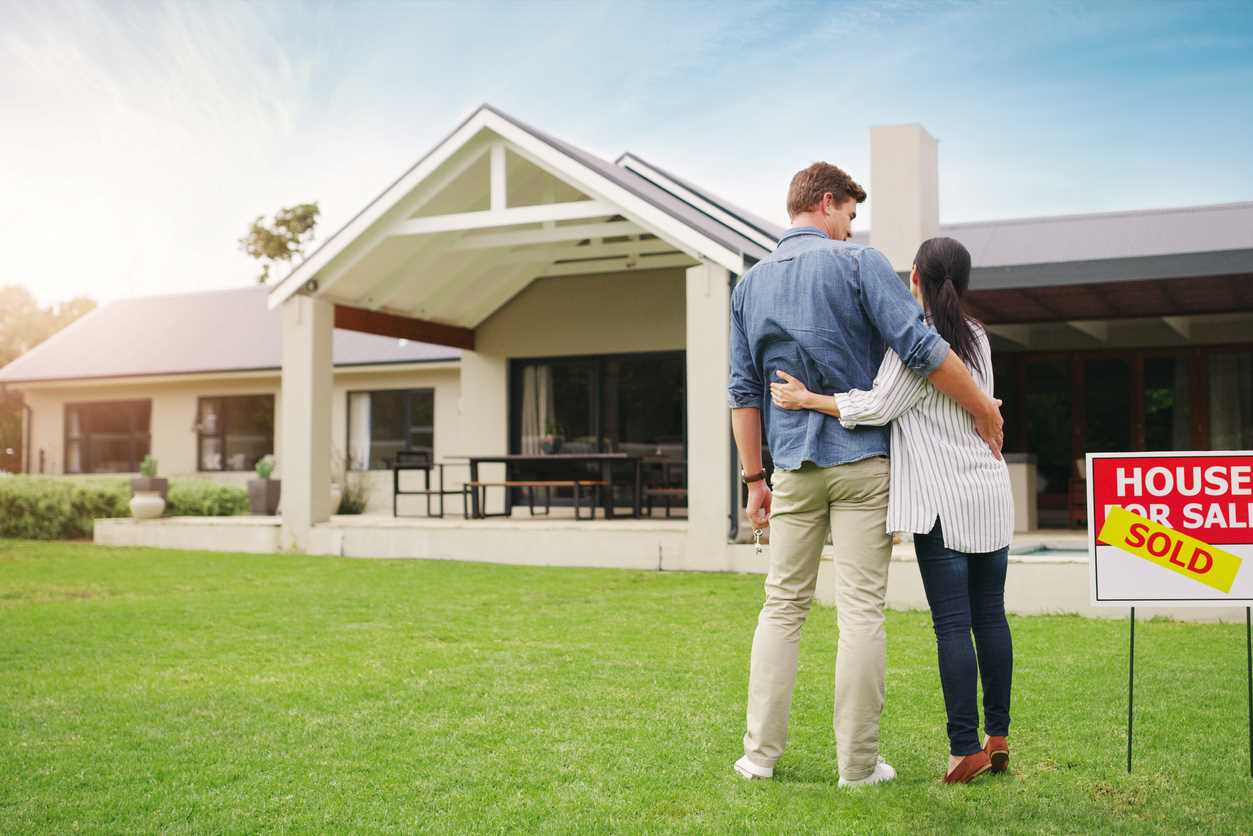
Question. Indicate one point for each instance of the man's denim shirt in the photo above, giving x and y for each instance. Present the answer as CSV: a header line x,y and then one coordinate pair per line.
x,y
824,311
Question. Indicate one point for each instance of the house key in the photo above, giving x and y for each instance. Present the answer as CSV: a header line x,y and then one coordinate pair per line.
x,y
757,532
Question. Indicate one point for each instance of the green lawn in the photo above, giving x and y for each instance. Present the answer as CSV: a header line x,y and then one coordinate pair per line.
x,y
193,692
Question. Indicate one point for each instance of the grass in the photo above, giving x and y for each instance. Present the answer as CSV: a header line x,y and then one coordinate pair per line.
x,y
180,692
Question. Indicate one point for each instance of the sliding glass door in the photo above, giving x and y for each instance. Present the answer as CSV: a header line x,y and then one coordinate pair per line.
x,y
624,403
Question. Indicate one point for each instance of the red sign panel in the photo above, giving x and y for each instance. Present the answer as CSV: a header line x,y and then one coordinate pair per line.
x,y
1208,497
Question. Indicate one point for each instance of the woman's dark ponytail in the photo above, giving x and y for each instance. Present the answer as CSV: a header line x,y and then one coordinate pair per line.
x,y
944,275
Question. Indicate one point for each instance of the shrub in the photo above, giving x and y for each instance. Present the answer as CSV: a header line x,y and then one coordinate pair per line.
x,y
148,467
356,492
44,508
205,499
265,466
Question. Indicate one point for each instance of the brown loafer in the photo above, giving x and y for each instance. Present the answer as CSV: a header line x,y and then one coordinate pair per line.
x,y
969,768
997,749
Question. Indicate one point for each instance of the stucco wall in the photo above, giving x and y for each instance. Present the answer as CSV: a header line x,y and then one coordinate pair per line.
x,y
174,406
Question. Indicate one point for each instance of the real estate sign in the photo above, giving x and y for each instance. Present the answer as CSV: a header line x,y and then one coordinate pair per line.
x,y
1171,528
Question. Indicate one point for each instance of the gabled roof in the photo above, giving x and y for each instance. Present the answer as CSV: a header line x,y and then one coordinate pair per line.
x,y
208,331
700,228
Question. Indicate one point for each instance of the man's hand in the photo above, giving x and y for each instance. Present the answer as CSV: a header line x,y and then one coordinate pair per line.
x,y
759,498
991,426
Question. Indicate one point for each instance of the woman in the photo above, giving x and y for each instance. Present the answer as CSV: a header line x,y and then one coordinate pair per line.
x,y
953,494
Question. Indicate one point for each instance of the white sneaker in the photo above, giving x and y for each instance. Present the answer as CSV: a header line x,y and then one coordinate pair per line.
x,y
883,772
747,769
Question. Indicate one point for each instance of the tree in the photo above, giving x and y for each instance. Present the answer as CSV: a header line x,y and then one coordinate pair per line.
x,y
281,240
24,325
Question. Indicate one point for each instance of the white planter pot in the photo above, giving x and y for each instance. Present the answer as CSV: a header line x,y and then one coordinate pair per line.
x,y
337,494
147,505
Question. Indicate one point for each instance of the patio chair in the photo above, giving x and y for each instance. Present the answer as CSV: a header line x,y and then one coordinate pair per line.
x,y
408,460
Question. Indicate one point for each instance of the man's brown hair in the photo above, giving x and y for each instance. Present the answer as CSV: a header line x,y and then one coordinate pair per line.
x,y
810,184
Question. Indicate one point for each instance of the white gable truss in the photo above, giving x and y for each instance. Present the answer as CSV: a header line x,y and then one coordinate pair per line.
x,y
486,212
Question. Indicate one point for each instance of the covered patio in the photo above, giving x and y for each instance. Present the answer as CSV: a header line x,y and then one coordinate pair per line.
x,y
560,276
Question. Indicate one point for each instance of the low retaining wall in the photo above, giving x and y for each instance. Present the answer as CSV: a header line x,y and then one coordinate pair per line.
x,y
1054,583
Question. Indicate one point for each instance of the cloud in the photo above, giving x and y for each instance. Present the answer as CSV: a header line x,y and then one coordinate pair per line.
x,y
141,138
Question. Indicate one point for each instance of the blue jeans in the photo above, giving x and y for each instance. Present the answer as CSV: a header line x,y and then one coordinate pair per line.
x,y
966,593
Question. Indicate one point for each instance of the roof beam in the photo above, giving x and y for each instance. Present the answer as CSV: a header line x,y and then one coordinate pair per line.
x,y
555,234
1098,331
1180,325
402,327
619,248
358,248
575,210
620,265
498,176
1019,334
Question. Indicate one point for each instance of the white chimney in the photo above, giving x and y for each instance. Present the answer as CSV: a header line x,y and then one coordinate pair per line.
x,y
904,185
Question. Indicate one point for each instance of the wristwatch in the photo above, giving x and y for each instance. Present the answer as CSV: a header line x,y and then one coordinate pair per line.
x,y
756,477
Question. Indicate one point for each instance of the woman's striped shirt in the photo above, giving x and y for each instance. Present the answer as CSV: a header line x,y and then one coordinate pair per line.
x,y
940,466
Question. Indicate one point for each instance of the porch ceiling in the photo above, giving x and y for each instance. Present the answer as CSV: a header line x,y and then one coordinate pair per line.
x,y
1170,297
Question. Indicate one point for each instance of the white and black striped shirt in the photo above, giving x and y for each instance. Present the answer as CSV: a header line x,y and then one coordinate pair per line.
x,y
940,466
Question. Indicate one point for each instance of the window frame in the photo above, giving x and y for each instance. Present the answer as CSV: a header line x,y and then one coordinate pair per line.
x,y
408,412
224,431
84,437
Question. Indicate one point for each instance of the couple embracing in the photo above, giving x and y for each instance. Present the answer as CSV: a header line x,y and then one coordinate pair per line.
x,y
878,410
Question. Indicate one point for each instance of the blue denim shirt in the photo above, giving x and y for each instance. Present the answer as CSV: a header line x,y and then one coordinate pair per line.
x,y
824,311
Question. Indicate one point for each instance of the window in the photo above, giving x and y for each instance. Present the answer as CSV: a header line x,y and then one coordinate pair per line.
x,y
386,420
233,433
1231,400
106,437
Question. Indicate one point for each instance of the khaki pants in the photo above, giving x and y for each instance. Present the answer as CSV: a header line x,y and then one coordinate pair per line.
x,y
851,501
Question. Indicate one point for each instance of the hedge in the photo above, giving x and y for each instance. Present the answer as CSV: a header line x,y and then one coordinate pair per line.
x,y
205,499
51,508
43,508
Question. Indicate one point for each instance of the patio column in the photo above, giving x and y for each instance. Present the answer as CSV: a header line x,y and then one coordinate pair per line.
x,y
305,455
708,419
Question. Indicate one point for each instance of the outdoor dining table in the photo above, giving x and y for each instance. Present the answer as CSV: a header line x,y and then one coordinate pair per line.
x,y
605,460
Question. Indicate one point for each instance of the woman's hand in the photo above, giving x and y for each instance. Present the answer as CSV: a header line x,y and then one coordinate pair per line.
x,y
791,393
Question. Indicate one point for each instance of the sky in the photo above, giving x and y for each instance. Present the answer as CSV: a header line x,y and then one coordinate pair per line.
x,y
139,140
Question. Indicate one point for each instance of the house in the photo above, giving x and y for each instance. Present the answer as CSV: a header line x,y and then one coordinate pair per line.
x,y
547,293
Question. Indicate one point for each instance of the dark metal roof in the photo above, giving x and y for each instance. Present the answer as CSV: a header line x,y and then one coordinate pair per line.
x,y
208,331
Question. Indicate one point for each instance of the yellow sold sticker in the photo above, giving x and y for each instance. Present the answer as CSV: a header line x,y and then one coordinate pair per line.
x,y
1170,549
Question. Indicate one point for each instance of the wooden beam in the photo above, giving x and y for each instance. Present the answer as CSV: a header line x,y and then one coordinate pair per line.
x,y
575,210
498,176
553,235
402,327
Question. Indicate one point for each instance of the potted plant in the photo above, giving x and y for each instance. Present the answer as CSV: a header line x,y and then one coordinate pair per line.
x,y
551,441
264,492
148,492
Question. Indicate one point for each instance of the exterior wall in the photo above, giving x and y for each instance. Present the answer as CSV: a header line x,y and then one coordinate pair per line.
x,y
641,310
172,426
174,406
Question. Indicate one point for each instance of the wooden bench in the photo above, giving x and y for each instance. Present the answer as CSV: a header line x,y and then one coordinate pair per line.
x,y
668,494
547,485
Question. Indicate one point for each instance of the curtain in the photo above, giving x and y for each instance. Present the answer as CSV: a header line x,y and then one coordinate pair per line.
x,y
1231,401
1181,413
538,412
359,431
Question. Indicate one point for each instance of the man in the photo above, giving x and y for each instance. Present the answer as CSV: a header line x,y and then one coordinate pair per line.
x,y
824,311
